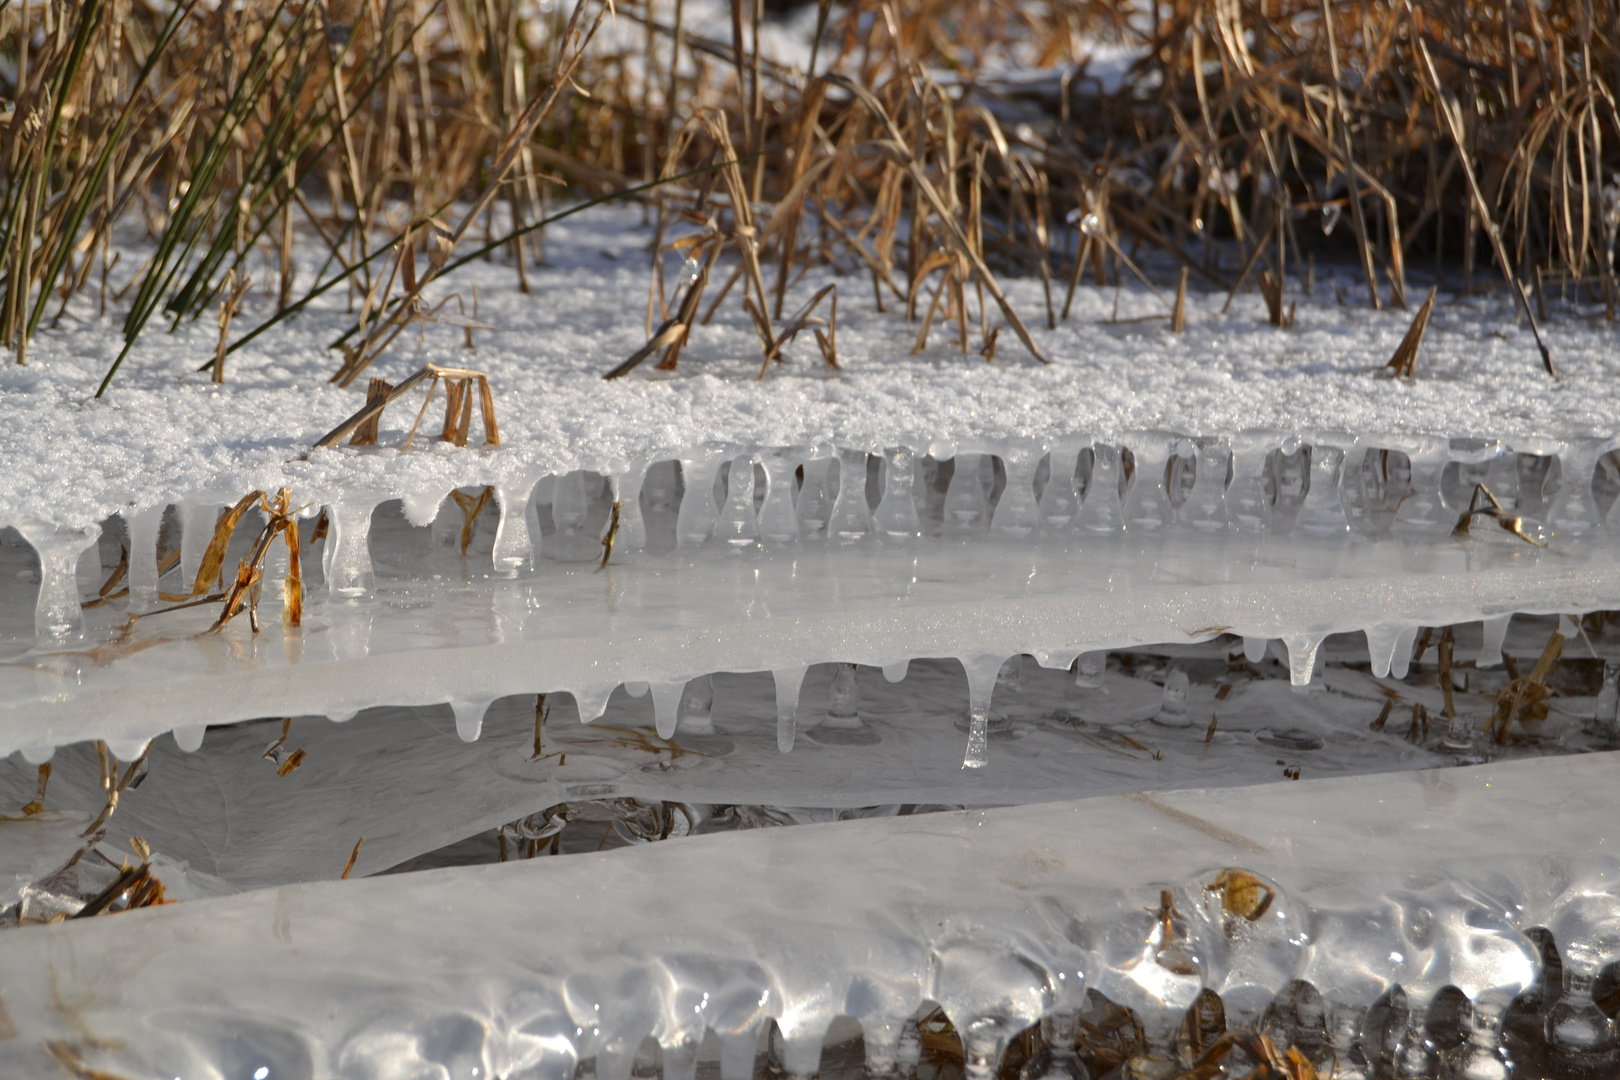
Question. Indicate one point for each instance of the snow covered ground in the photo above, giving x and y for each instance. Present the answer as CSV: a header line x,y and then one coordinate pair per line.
x,y
165,434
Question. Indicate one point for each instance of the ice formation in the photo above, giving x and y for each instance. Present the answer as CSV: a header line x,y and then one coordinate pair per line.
x,y
685,604
863,563
1317,911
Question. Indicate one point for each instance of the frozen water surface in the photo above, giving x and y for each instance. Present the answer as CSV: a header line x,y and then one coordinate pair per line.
x,y
1402,883
1205,566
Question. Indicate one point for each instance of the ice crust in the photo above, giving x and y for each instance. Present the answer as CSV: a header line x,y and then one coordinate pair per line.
x,y
164,435
406,779
521,970
431,631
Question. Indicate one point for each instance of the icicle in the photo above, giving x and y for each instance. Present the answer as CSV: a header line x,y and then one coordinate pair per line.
x,y
1301,657
981,675
1606,711
1574,511
1483,1057
1017,514
347,558
1322,513
666,707
789,681
1493,634
851,520
469,718
1173,711
814,507
1381,643
144,527
127,749
778,520
342,716
966,508
908,1051
189,737
1422,511
799,1053
1289,479
1090,669
38,755
1576,1027
1147,508
1059,505
1254,648
842,725
896,672
1101,511
881,1034
57,615
695,521
632,534
1401,660
636,688
697,707
982,1047
1248,503
591,701
679,1060
737,1052
513,553
737,526
197,521
1205,510
896,517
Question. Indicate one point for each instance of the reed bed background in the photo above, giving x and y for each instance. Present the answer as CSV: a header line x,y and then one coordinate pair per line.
x,y
927,145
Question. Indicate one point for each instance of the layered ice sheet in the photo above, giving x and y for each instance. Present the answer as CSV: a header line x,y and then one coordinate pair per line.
x,y
165,435
1422,881
403,620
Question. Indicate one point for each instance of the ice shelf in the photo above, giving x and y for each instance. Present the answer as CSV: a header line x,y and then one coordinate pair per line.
x,y
1418,881
406,779
428,629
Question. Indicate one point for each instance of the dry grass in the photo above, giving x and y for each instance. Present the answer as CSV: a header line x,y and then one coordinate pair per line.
x,y
1244,141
